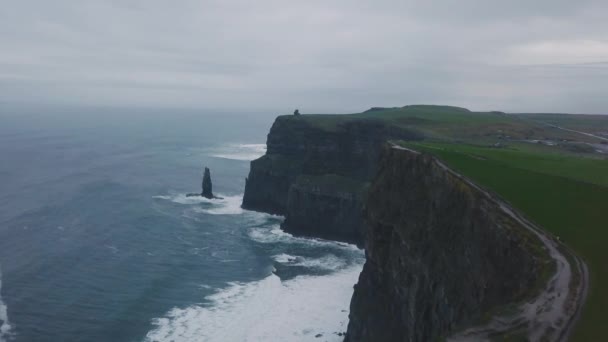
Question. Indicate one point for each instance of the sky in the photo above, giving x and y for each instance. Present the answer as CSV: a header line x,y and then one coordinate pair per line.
x,y
320,56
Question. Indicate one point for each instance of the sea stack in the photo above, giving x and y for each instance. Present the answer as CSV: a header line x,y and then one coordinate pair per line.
x,y
207,186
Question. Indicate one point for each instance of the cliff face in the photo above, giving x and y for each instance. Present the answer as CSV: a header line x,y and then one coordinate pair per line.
x,y
316,175
440,254
328,206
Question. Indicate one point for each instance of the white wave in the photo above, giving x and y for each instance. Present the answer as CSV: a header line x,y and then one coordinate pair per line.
x,y
327,262
224,205
184,199
227,205
284,258
5,325
274,234
239,151
266,310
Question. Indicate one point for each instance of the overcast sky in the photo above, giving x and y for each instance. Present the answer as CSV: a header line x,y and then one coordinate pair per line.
x,y
319,56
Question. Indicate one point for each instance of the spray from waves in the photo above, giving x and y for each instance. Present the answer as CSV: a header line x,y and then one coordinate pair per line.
x,y
226,205
266,310
284,258
5,326
274,234
183,199
239,151
328,262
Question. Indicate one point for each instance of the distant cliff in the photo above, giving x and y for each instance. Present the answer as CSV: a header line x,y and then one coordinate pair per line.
x,y
316,172
440,254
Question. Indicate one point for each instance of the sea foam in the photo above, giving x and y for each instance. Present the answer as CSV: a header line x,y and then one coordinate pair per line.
x,y
297,309
227,205
274,234
224,205
327,262
284,258
266,310
5,326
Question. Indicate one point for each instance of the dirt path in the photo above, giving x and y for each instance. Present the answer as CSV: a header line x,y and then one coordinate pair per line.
x,y
575,131
549,316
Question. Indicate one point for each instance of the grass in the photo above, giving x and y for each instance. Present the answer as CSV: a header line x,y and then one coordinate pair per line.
x,y
535,158
431,117
453,124
565,194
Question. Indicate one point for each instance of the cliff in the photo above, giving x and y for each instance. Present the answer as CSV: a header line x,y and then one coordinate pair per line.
x,y
441,254
445,259
316,172
328,206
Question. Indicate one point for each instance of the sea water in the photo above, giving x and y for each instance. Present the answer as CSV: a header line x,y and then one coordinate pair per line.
x,y
98,241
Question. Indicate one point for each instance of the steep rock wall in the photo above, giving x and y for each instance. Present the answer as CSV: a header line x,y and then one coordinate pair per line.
x,y
440,253
327,206
317,175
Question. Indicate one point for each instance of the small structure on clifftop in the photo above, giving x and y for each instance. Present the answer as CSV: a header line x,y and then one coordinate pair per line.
x,y
207,186
296,112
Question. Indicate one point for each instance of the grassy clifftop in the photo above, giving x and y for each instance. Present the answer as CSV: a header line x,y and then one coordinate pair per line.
x,y
410,116
455,124
567,195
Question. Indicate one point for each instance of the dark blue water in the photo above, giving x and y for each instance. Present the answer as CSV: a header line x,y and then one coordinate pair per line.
x,y
99,243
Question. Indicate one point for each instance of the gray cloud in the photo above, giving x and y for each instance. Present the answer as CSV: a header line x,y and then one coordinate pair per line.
x,y
321,56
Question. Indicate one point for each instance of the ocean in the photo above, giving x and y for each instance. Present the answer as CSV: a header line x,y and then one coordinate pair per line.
x,y
98,241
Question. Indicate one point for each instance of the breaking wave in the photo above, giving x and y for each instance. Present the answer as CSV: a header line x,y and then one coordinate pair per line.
x,y
298,309
5,326
293,309
327,262
284,258
225,205
274,234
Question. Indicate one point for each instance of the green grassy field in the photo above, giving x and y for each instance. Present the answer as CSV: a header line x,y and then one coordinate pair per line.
x,y
455,124
567,195
423,117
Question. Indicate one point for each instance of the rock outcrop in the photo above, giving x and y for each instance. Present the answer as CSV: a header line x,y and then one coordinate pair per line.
x,y
207,185
441,254
316,171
